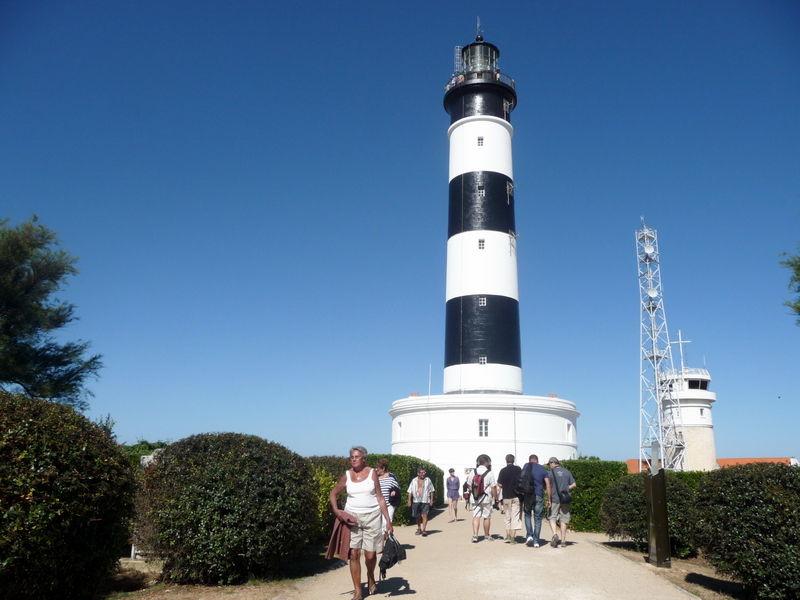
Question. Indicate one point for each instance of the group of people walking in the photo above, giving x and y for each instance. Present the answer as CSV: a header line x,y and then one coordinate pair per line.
x,y
527,491
373,495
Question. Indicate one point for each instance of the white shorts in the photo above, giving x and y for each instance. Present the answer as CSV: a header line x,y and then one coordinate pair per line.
x,y
366,533
482,509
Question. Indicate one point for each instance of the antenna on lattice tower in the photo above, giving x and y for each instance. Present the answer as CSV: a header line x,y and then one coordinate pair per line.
x,y
659,409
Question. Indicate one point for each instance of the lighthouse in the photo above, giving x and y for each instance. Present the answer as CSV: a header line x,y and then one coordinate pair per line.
x,y
482,343
482,409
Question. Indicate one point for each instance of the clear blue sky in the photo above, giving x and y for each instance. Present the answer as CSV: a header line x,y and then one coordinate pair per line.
x,y
258,194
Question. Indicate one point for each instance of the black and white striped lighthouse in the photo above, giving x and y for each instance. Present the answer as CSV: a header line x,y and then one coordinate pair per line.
x,y
482,339
482,409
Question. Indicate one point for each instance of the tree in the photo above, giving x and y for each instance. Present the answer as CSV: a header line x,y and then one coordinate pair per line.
x,y
32,269
793,264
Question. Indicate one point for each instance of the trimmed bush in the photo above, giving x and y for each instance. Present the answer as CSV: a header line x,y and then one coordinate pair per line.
x,y
324,482
747,526
593,477
624,512
690,478
220,507
66,498
327,471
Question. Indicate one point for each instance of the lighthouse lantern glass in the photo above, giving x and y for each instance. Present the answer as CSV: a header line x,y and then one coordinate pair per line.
x,y
480,57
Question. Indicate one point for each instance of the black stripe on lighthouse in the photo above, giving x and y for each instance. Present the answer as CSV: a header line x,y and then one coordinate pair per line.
x,y
481,200
482,328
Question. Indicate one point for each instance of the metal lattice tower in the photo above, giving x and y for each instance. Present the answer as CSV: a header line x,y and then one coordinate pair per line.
x,y
659,410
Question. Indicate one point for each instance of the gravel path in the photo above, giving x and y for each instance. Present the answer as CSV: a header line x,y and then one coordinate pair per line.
x,y
446,564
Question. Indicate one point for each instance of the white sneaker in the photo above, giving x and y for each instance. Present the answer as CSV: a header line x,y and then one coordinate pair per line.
x,y
529,542
535,544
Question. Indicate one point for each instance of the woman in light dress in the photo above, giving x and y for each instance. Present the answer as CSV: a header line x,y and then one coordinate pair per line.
x,y
364,502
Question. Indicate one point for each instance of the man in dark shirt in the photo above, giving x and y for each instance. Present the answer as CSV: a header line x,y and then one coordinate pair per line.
x,y
536,501
507,481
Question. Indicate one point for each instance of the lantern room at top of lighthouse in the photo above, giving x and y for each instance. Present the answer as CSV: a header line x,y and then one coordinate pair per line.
x,y
476,68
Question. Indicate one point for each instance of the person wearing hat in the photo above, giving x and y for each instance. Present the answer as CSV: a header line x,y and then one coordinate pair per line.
x,y
453,489
561,482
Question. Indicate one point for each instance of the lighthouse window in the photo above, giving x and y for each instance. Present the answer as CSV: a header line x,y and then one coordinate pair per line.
x,y
483,427
482,359
481,191
481,244
480,140
482,301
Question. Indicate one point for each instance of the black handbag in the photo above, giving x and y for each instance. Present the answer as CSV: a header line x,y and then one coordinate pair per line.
x,y
393,553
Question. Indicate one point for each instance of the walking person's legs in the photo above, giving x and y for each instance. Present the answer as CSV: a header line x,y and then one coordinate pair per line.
x,y
527,506
355,572
537,519
370,560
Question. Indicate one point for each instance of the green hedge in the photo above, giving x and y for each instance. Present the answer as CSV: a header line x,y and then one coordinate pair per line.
x,y
624,512
66,500
221,507
592,478
748,526
690,478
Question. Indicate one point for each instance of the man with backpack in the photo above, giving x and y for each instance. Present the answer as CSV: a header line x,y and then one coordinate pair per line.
x,y
534,484
483,491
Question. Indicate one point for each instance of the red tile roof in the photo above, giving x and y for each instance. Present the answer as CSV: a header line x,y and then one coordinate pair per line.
x,y
722,462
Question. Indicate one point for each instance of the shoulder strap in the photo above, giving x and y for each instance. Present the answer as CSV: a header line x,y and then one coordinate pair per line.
x,y
555,481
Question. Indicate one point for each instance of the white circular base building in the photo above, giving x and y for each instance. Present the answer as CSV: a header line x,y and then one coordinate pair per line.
x,y
453,429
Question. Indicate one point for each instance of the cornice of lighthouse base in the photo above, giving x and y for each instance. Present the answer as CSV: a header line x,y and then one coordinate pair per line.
x,y
452,430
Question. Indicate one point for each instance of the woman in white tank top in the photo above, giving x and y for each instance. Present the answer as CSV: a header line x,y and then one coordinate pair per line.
x,y
364,502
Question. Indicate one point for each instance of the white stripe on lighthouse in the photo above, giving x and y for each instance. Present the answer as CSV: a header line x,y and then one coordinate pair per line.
x,y
494,151
475,268
489,377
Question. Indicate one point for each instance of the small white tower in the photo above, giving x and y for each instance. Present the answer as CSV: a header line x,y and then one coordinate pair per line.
x,y
691,391
482,410
674,404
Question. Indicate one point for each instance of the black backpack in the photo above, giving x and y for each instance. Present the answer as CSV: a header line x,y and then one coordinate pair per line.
x,y
393,553
525,481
